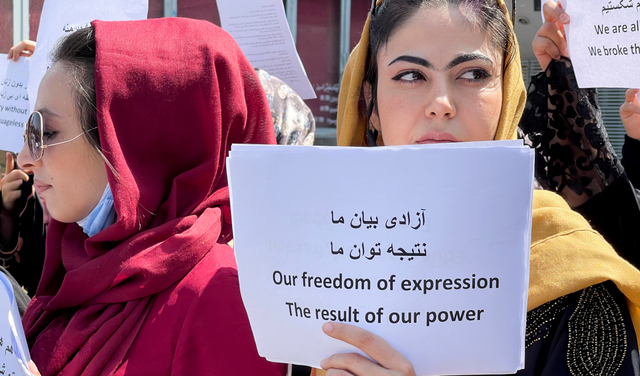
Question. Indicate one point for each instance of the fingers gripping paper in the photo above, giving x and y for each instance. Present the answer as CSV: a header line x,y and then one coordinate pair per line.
x,y
427,247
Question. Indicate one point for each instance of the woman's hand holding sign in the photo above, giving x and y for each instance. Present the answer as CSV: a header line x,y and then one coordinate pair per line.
x,y
11,181
10,187
24,48
389,361
33,369
630,113
550,42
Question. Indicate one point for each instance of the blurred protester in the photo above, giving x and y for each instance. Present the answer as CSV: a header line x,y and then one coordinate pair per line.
x,y
22,228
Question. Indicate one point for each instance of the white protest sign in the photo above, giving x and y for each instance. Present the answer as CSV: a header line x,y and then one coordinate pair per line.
x,y
61,17
464,145
14,102
14,352
425,246
604,42
260,28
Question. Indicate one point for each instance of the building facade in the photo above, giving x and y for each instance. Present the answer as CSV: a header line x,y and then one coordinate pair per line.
x,y
325,32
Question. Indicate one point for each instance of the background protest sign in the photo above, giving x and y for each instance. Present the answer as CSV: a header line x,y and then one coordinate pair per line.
x,y
604,42
14,102
261,30
61,17
14,352
427,247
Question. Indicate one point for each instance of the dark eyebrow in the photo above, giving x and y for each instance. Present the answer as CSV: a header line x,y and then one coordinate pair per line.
x,y
414,60
467,57
458,60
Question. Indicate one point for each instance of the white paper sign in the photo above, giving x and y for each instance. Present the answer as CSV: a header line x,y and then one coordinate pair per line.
x,y
14,102
425,246
604,42
61,17
14,352
260,28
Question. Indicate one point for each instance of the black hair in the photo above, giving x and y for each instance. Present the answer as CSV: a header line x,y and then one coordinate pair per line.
x,y
77,52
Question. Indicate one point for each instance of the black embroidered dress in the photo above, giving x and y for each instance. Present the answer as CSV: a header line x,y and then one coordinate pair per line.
x,y
590,331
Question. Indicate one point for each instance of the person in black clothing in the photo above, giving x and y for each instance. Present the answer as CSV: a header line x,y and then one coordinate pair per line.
x,y
22,228
574,158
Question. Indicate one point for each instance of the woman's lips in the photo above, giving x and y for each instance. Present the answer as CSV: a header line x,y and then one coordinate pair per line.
x,y
437,138
40,187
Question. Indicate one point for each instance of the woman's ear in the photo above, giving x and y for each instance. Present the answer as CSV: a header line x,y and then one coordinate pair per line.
x,y
367,92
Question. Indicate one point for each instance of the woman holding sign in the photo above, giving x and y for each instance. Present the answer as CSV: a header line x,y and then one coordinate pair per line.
x,y
128,149
574,158
431,71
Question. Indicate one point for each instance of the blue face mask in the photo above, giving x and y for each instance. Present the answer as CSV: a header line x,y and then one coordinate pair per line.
x,y
102,216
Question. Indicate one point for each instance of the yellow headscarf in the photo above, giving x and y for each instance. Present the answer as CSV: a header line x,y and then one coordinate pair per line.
x,y
567,255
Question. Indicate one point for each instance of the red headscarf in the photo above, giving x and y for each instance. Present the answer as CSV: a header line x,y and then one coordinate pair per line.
x,y
172,96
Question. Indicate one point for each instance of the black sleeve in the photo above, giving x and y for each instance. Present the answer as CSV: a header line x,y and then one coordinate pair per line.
x,y
24,256
631,159
574,157
11,219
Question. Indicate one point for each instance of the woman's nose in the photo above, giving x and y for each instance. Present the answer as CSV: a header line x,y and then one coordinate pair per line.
x,y
440,105
25,161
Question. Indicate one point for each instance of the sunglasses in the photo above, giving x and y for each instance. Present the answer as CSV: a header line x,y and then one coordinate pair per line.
x,y
34,135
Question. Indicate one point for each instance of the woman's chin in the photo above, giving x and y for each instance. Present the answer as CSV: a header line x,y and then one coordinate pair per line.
x,y
61,215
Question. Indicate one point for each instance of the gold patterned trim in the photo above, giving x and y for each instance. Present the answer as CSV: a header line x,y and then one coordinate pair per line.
x,y
597,334
541,319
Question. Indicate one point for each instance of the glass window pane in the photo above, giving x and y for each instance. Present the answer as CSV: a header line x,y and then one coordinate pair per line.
x,y
156,9
359,12
319,48
35,9
199,9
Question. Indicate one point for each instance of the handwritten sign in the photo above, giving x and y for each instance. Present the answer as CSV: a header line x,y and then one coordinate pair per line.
x,y
14,353
426,246
14,102
260,28
61,17
604,42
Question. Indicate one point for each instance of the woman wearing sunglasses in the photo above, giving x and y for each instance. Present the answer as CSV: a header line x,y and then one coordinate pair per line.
x,y
128,149
431,71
